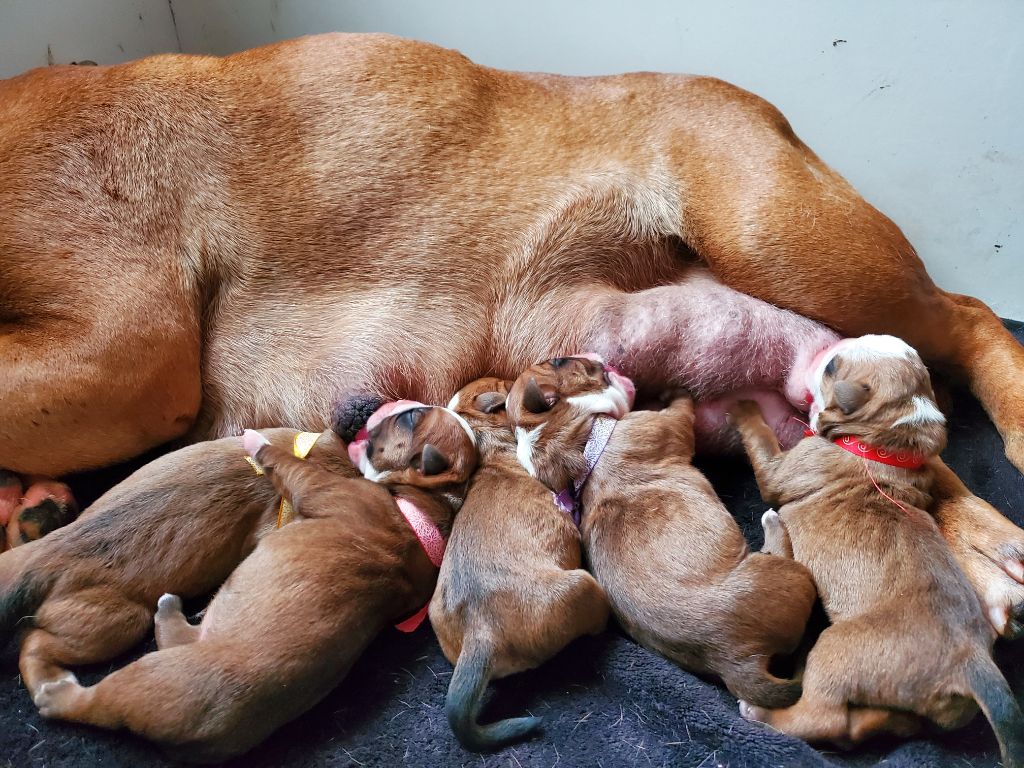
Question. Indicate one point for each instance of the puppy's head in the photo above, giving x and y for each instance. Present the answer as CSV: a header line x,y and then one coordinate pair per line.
x,y
482,404
553,405
409,443
877,388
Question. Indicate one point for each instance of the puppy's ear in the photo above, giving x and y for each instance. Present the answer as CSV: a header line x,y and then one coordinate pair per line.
x,y
432,461
850,395
535,400
489,402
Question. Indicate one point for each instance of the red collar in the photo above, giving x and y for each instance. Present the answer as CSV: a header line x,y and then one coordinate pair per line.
x,y
881,455
433,544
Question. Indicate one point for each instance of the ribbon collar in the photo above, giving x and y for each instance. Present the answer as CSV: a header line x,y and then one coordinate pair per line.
x,y
433,544
902,459
301,446
568,500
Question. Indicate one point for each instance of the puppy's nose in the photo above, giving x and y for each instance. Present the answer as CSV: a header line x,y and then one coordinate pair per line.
x,y
352,413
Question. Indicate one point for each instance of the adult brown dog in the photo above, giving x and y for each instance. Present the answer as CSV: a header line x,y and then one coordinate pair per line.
x,y
292,619
189,245
511,592
675,567
908,636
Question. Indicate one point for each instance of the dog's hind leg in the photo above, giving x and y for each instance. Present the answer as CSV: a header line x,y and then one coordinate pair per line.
x,y
96,625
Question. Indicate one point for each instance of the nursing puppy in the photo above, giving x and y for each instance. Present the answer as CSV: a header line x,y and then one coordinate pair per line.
x,y
511,592
909,639
292,619
85,593
666,551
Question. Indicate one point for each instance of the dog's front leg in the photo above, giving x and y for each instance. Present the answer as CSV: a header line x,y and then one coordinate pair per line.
x,y
761,445
988,547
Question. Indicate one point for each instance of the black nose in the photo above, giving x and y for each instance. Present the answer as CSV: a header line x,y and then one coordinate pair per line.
x,y
352,413
369,449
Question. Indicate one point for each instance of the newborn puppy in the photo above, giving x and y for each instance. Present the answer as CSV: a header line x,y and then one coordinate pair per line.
x,y
908,638
85,593
292,619
671,559
511,592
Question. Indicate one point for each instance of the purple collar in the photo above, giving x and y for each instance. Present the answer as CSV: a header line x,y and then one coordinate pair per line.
x,y
569,499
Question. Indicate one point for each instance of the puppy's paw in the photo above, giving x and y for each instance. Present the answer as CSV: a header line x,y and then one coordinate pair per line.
x,y
252,441
743,411
669,396
168,605
749,712
56,698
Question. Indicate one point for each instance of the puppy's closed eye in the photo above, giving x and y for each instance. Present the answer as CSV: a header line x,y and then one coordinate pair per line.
x,y
409,419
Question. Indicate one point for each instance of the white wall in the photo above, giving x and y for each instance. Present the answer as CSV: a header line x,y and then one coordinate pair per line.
x,y
34,33
922,106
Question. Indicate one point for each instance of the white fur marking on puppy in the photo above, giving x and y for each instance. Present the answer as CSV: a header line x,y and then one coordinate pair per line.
x,y
464,424
454,402
525,440
876,346
925,412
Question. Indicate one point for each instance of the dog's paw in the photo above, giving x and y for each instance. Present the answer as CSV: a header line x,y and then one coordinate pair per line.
x,y
749,712
54,698
669,396
742,411
168,605
252,441
990,550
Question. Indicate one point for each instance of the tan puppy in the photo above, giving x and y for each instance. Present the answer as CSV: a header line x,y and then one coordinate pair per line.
x,y
667,552
908,635
511,592
427,221
297,613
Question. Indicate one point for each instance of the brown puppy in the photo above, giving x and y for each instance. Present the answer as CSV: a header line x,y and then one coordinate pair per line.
x,y
428,221
85,593
511,592
667,552
297,613
908,635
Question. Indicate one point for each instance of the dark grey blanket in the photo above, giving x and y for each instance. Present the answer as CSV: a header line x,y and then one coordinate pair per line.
x,y
605,701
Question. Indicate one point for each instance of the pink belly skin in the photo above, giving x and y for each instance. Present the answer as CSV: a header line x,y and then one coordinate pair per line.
x,y
713,341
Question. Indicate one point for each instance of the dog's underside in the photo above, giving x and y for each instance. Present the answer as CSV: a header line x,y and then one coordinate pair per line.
x,y
288,235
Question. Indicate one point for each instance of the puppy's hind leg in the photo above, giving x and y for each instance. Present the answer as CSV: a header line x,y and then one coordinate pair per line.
x,y
95,626
170,625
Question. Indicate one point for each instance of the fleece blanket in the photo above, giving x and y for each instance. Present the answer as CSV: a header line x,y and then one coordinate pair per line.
x,y
605,701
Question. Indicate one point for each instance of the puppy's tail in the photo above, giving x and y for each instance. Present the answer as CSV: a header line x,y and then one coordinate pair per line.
x,y
993,694
22,588
752,682
465,695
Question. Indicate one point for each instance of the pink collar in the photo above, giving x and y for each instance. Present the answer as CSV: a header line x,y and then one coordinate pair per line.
x,y
433,544
569,499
